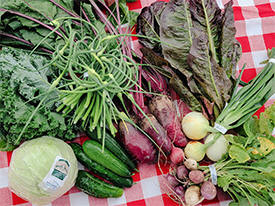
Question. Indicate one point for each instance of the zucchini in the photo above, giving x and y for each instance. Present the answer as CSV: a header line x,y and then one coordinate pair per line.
x,y
112,145
99,169
106,158
95,187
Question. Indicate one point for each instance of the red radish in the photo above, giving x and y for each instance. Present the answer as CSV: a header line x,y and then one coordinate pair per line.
x,y
208,190
164,110
137,144
182,172
179,190
172,181
159,135
196,176
177,155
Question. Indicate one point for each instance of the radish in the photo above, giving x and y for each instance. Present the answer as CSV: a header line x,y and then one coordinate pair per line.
x,y
177,155
192,195
191,164
182,172
208,190
172,180
196,176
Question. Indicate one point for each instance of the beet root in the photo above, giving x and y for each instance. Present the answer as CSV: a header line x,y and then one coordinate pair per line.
x,y
137,144
165,112
159,135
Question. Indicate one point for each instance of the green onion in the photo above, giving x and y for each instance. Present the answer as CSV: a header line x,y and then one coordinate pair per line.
x,y
245,102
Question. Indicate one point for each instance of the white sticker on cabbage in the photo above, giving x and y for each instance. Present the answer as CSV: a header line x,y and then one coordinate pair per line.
x,y
56,176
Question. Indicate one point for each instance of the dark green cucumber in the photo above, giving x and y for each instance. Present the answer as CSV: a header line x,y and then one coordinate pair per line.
x,y
99,169
112,145
96,187
106,158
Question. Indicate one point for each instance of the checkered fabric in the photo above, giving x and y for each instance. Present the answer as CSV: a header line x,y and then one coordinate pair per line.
x,y
255,24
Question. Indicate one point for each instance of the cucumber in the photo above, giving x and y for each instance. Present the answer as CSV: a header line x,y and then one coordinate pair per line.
x,y
95,187
99,169
112,145
106,158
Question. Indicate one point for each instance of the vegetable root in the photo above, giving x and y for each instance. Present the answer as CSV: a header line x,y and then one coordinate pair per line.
x,y
136,143
158,134
164,110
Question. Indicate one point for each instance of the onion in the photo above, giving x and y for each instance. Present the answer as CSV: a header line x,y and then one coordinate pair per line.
x,y
215,151
195,150
195,125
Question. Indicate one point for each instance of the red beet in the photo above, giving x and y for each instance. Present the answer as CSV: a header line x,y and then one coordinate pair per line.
x,y
165,111
159,135
137,144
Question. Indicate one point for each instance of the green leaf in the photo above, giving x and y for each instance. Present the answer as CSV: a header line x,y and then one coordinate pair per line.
x,y
238,153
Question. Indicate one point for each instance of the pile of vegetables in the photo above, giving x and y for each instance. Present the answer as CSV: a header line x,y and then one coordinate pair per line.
x,y
178,102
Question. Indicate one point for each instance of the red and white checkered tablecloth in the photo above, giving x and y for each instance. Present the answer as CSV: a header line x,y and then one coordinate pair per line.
x,y
255,24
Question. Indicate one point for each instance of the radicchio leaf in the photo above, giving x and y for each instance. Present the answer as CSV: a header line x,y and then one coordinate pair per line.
x,y
212,79
230,47
148,25
175,34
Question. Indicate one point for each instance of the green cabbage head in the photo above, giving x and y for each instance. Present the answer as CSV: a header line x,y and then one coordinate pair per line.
x,y
42,169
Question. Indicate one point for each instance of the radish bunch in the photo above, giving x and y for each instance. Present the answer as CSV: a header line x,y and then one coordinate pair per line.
x,y
189,184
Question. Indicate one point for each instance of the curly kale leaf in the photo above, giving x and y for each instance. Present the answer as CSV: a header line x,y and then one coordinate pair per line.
x,y
24,80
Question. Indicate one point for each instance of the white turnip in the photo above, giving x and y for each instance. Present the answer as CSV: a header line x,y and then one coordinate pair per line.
x,y
191,164
192,195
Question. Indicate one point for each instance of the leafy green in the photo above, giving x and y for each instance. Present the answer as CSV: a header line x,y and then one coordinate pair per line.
x,y
24,80
148,24
198,40
248,183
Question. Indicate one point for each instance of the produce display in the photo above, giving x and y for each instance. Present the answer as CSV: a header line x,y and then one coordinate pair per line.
x,y
68,70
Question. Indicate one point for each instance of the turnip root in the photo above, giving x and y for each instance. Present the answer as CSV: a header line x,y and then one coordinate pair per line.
x,y
164,110
136,143
177,155
195,150
159,135
196,176
208,190
191,164
192,195
182,172
195,126
215,151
